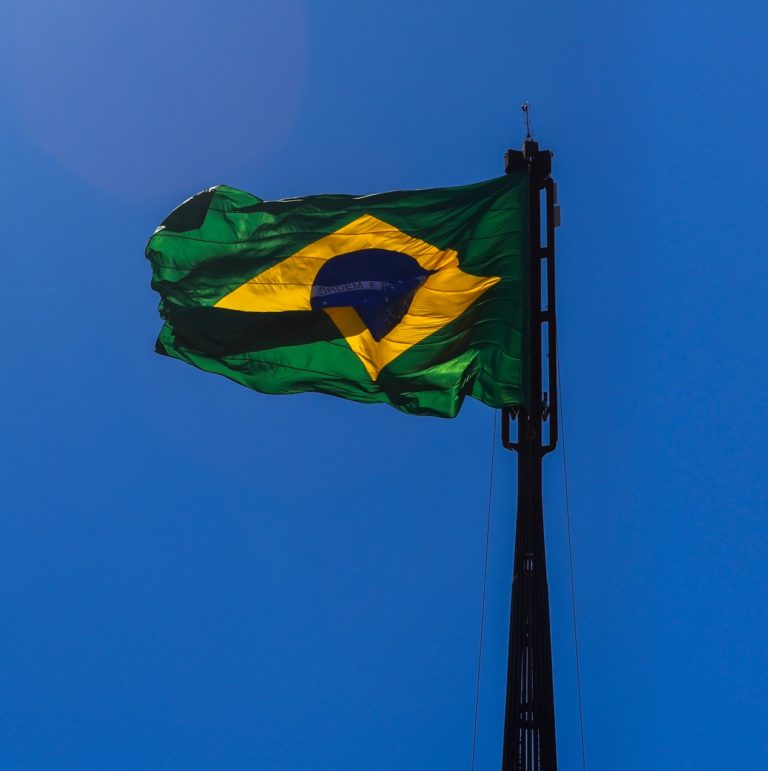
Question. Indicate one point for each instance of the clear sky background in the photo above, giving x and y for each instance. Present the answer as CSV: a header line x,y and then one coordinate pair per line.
x,y
196,576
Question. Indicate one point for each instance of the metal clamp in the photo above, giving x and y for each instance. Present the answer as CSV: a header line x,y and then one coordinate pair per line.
x,y
549,315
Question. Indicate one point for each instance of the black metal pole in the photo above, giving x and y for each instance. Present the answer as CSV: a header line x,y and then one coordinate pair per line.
x,y
529,724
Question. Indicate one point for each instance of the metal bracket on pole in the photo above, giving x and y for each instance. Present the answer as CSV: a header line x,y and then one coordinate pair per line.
x,y
542,297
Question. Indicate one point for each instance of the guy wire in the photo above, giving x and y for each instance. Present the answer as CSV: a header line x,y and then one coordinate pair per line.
x,y
485,587
570,560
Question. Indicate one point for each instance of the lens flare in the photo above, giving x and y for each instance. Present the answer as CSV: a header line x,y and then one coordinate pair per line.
x,y
154,96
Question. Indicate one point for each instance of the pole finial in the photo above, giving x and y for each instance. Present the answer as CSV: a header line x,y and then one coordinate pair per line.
x,y
525,107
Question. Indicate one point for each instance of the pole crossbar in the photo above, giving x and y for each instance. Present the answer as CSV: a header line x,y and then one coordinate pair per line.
x,y
529,723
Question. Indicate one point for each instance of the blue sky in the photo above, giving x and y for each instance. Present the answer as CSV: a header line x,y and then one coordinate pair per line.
x,y
195,576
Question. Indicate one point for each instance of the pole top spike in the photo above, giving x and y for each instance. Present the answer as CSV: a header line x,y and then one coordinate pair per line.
x,y
526,108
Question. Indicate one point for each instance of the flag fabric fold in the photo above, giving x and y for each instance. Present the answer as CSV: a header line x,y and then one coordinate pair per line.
x,y
416,298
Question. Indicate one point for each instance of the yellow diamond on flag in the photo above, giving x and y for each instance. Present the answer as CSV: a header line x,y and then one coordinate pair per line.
x,y
385,290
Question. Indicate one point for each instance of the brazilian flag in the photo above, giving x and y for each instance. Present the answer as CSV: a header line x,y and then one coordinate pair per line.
x,y
415,298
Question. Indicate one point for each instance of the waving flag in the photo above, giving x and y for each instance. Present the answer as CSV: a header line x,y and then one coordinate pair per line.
x,y
415,298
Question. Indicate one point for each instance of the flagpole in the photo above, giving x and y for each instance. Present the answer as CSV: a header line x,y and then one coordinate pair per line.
x,y
529,723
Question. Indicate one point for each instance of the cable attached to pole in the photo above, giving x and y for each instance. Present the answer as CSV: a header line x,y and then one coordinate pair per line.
x,y
485,588
570,560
